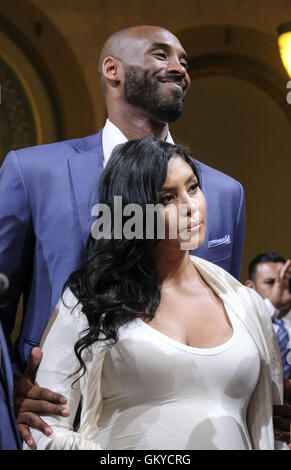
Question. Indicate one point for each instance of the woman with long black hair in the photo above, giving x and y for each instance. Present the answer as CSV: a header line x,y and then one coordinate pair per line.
x,y
163,350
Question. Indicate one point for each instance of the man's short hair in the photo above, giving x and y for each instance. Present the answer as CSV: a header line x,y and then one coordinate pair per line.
x,y
268,257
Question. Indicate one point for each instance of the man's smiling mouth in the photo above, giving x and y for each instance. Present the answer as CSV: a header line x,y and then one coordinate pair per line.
x,y
176,83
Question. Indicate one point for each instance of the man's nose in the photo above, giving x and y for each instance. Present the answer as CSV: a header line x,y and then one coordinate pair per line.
x,y
175,66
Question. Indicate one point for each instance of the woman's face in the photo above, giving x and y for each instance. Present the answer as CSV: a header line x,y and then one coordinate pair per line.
x,y
183,206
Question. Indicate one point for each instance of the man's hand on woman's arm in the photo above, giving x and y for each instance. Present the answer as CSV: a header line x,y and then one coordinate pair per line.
x,y
31,401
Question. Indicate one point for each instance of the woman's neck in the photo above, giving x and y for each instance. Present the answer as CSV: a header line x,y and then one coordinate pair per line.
x,y
174,267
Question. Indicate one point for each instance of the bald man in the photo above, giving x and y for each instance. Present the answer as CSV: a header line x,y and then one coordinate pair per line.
x,y
47,193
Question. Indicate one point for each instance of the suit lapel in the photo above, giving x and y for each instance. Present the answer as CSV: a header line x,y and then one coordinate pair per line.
x,y
85,167
202,251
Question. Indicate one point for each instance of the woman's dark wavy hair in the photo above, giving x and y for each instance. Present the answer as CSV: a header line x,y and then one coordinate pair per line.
x,y
117,281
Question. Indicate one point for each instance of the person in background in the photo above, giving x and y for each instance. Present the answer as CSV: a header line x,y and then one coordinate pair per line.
x,y
268,275
9,436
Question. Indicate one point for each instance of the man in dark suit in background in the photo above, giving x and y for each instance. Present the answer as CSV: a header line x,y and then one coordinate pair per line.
x,y
9,437
48,191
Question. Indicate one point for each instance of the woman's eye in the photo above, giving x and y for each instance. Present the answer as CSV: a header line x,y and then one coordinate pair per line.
x,y
193,187
166,199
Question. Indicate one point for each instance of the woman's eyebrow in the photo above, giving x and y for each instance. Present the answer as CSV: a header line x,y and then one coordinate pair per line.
x,y
169,188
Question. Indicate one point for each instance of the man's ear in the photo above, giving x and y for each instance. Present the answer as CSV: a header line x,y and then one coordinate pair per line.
x,y
250,284
111,69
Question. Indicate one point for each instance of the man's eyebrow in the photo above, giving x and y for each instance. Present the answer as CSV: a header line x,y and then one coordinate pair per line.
x,y
160,45
164,45
169,188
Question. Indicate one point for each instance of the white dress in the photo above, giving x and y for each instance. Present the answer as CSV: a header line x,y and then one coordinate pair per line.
x,y
150,392
160,394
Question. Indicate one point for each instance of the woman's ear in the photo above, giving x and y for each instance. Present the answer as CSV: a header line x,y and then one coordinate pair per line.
x,y
111,70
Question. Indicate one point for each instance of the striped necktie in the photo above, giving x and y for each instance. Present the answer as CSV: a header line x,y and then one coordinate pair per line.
x,y
284,345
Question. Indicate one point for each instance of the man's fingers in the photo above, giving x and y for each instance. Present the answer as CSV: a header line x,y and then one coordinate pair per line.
x,y
285,271
28,395
41,408
38,393
20,392
26,435
282,410
34,421
22,387
25,389
33,363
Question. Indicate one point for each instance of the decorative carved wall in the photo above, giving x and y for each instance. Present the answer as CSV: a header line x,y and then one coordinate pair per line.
x,y
17,120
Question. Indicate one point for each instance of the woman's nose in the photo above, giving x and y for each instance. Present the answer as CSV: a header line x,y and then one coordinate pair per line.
x,y
188,206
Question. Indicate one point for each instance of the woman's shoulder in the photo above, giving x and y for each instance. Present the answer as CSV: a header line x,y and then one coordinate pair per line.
x,y
222,281
70,301
67,316
215,274
69,307
255,299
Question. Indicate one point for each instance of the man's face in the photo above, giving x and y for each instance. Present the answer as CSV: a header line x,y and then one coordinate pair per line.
x,y
266,274
156,77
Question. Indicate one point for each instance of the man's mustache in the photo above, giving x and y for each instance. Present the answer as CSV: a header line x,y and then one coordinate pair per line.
x,y
173,79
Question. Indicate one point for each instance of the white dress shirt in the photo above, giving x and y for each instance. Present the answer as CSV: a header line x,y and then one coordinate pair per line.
x,y
288,316
113,136
273,311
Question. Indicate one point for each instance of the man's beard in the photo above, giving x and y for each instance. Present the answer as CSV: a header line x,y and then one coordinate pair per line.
x,y
140,91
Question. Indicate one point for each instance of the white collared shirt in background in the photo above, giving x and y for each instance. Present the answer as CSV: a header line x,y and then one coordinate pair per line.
x,y
113,136
288,316
274,313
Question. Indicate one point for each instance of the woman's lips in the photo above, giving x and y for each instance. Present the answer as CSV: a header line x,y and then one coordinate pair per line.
x,y
194,226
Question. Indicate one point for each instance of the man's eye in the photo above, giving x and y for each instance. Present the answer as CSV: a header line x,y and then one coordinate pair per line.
x,y
161,54
270,282
184,64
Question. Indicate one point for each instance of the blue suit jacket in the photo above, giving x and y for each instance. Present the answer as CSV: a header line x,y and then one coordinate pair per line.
x,y
9,437
47,193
